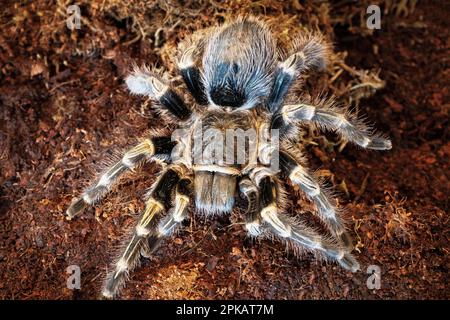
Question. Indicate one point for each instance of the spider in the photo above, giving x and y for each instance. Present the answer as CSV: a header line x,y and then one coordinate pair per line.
x,y
239,80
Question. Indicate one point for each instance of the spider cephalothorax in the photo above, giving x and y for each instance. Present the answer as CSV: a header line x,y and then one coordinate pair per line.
x,y
239,82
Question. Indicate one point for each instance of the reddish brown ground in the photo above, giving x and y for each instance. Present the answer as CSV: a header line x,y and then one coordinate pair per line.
x,y
55,122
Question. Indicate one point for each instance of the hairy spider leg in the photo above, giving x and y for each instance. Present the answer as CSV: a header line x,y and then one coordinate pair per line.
x,y
295,232
148,148
253,212
153,225
144,82
192,76
310,52
327,212
327,116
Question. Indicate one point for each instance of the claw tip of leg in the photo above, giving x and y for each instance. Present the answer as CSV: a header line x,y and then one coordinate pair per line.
x,y
388,144
106,294
69,215
349,263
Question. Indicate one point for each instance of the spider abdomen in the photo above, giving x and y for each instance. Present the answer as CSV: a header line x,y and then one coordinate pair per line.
x,y
238,63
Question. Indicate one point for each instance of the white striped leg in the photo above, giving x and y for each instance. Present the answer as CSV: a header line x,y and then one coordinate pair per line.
x,y
253,212
289,229
152,227
191,74
327,116
310,51
145,149
309,184
144,82
169,223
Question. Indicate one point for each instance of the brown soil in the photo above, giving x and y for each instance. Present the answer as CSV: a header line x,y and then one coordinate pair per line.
x,y
64,106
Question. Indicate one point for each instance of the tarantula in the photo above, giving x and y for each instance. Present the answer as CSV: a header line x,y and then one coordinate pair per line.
x,y
240,81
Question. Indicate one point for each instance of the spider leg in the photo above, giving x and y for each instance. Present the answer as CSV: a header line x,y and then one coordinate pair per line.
x,y
144,82
309,51
152,227
329,117
295,232
168,224
253,212
299,175
192,76
149,147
